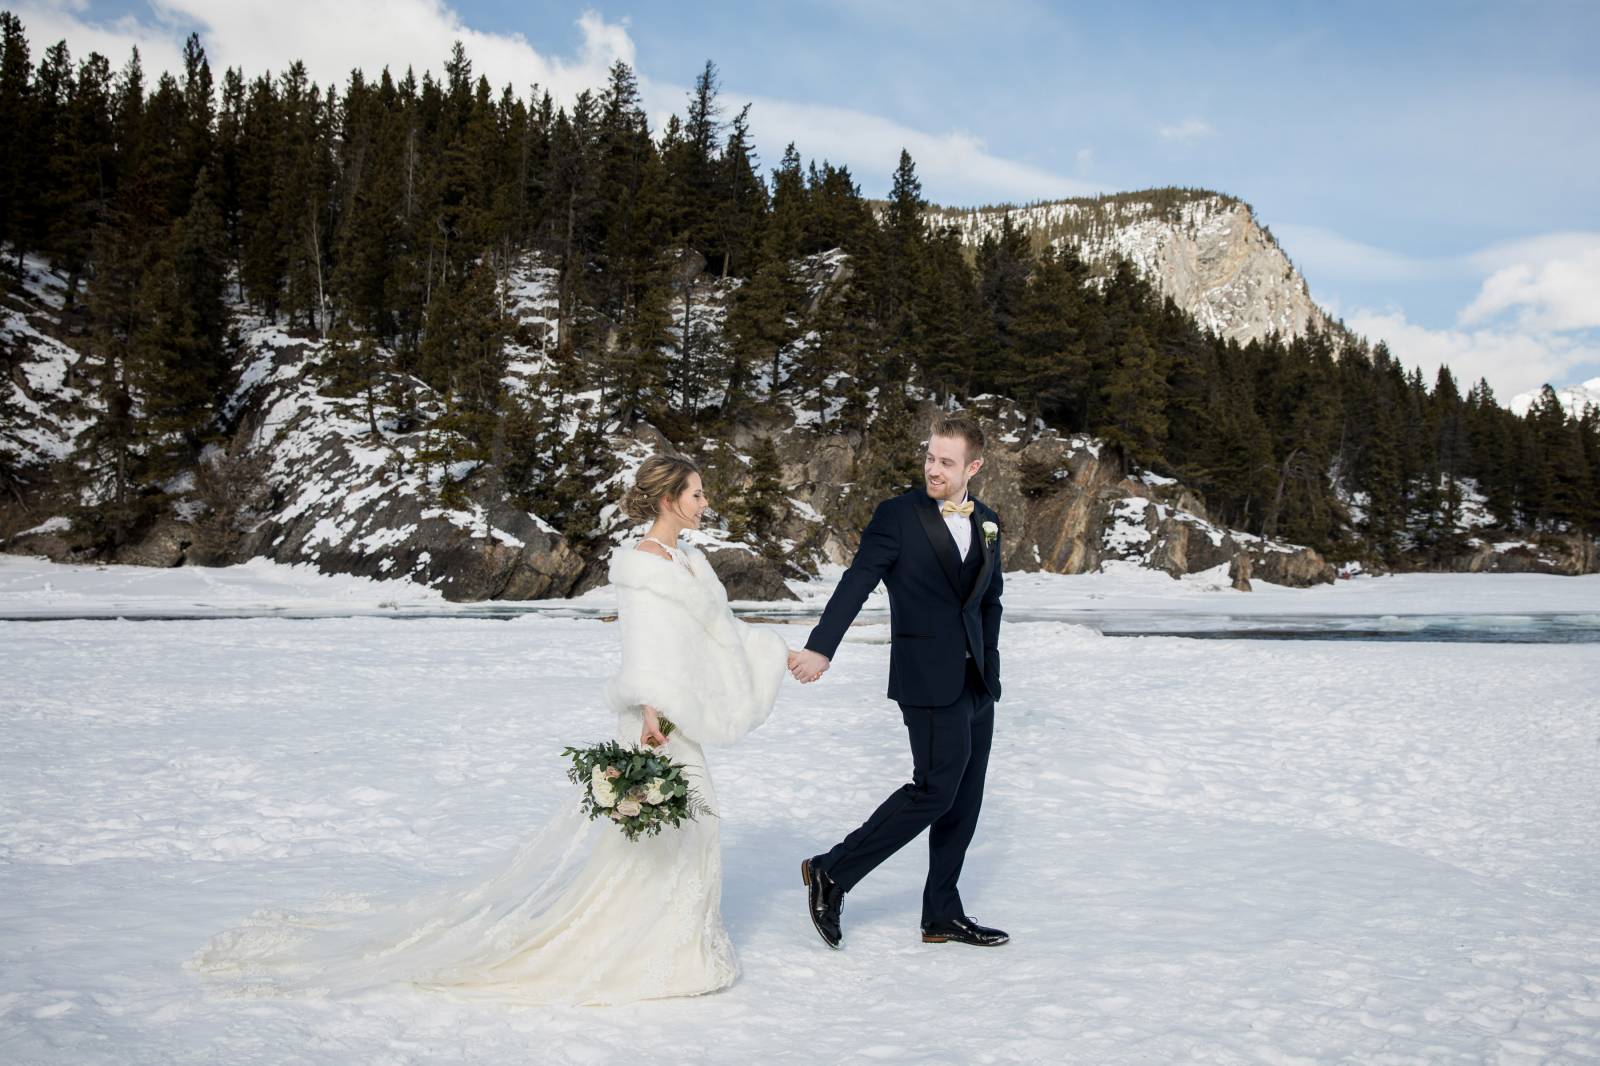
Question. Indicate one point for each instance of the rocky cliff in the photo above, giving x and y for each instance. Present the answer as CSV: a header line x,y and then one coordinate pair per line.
x,y
1066,505
1205,250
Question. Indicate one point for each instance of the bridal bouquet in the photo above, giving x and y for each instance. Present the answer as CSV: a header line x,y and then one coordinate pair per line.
x,y
639,789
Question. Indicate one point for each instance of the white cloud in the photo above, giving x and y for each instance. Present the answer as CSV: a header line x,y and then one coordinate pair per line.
x,y
1547,283
1191,129
334,38
160,47
955,167
1532,320
1512,360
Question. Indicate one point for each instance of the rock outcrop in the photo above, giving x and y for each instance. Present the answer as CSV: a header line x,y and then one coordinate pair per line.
x,y
1551,553
338,496
1205,250
747,576
1067,505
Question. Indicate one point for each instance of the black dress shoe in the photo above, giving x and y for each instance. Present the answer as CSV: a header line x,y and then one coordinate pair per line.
x,y
963,931
823,900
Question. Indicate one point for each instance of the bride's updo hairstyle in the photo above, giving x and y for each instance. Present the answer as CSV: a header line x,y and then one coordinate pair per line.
x,y
658,476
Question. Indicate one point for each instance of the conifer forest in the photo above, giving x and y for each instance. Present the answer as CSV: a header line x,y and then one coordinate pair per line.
x,y
389,216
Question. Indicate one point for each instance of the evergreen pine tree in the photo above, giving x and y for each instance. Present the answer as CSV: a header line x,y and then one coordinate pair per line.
x,y
760,328
228,149
18,138
836,216
821,355
1135,399
764,499
898,263
692,157
1003,265
48,183
84,171
1588,428
948,315
890,461
786,223
1382,479
1048,360
103,473
175,347
1561,495
197,143
262,254
1490,436
1537,462
743,200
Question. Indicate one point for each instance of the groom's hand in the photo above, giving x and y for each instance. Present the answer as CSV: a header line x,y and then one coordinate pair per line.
x,y
807,665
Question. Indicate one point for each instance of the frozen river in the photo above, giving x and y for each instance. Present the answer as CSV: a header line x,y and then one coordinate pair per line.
x,y
1215,851
1548,627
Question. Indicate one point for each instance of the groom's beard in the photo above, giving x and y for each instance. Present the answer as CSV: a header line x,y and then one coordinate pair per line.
x,y
948,491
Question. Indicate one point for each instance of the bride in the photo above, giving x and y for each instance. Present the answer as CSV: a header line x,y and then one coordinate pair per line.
x,y
569,918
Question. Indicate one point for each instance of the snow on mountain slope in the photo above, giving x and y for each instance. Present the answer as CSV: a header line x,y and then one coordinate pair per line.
x,y
1575,398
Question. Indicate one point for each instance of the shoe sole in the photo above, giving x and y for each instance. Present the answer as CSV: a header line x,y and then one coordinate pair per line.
x,y
805,879
926,939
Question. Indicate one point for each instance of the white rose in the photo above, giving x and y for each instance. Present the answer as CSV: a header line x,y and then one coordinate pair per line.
x,y
653,794
990,529
629,809
604,794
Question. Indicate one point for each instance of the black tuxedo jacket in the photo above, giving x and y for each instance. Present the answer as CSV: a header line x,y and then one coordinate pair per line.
x,y
936,619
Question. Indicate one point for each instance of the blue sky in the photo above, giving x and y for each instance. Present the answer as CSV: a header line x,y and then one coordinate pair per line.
x,y
1432,168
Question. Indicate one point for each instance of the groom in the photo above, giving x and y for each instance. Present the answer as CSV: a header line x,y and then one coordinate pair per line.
x,y
937,551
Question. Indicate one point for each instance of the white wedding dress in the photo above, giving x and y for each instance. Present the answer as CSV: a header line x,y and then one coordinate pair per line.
x,y
578,913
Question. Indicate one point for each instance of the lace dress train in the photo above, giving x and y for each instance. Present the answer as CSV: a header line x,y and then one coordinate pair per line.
x,y
578,914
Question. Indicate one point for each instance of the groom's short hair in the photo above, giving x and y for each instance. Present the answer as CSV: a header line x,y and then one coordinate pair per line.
x,y
956,425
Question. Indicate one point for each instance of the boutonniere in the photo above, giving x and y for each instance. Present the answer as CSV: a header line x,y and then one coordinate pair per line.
x,y
990,532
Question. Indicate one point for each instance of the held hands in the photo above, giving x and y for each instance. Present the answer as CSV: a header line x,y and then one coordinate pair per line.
x,y
807,665
651,736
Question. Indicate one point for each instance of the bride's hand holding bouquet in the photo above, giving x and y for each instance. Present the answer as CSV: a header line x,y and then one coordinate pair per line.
x,y
641,789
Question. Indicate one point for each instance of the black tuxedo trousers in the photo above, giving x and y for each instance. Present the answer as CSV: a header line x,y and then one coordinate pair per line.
x,y
949,759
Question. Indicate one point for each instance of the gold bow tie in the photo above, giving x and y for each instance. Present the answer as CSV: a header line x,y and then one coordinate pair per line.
x,y
964,509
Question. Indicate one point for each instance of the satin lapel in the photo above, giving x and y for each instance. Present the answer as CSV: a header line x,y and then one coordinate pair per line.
x,y
944,546
988,559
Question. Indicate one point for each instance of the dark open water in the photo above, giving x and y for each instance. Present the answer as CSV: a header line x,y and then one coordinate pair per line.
x,y
1532,628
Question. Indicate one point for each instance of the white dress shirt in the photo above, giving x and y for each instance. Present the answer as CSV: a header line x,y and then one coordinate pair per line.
x,y
960,527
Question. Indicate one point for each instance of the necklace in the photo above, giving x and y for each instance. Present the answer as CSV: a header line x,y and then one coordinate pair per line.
x,y
673,553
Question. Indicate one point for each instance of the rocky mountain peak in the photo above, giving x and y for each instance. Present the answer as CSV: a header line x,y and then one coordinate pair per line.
x,y
1205,250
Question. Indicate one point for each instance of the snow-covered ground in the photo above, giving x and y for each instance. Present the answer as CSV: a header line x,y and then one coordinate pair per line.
x,y
34,586
31,585
1217,852
1130,587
